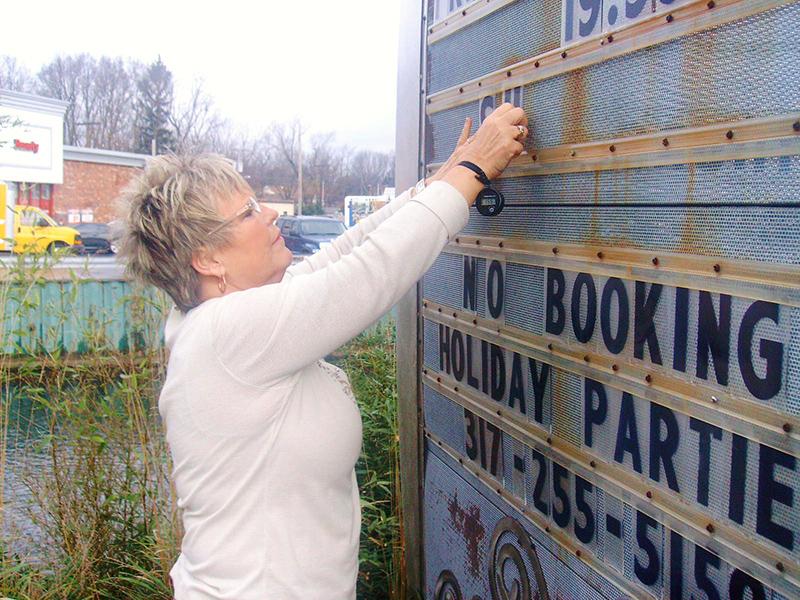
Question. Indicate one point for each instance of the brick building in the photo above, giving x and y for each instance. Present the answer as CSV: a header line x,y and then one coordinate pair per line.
x,y
92,181
69,183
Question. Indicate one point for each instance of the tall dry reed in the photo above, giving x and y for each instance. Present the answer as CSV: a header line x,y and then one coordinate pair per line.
x,y
83,451
84,457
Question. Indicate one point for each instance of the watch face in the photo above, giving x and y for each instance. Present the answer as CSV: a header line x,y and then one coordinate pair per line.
x,y
489,202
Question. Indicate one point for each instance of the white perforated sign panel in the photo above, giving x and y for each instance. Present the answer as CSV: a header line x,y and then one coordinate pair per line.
x,y
610,367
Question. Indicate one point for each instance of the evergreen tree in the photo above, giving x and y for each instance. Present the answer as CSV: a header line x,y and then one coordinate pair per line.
x,y
153,109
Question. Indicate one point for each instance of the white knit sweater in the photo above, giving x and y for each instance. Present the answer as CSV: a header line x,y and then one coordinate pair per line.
x,y
264,435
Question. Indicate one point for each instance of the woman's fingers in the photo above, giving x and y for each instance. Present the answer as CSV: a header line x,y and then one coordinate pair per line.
x,y
510,114
519,132
465,132
516,116
501,110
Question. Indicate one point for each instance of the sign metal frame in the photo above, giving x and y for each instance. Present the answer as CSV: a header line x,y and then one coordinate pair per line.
x,y
772,136
686,19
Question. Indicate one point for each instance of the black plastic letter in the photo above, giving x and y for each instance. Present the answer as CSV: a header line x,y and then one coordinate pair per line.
x,y
584,533
628,434
771,490
444,348
516,389
681,329
648,575
457,354
675,565
663,449
738,478
615,344
702,559
771,351
472,381
740,581
644,329
539,380
584,280
593,415
498,372
554,323
541,480
495,289
706,431
470,282
561,517
715,336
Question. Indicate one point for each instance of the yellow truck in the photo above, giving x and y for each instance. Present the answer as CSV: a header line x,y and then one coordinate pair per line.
x,y
35,231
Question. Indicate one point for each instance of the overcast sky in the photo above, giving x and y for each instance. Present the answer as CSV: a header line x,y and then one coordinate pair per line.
x,y
332,64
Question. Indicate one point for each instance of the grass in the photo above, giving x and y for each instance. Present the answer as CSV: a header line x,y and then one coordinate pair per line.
x,y
91,456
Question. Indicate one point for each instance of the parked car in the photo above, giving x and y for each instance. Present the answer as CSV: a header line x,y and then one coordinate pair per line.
x,y
115,229
96,237
306,235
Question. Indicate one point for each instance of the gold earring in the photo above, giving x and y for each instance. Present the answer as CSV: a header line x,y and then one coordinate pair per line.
x,y
222,284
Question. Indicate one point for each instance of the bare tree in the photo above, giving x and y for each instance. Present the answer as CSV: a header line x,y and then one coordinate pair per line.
x,y
259,161
100,94
196,122
15,76
223,139
326,164
371,171
112,92
284,140
61,79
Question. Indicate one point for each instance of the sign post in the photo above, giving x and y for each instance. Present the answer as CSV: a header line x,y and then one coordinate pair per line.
x,y
608,370
7,224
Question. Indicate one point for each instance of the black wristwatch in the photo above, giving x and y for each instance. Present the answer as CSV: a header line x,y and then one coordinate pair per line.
x,y
489,201
479,174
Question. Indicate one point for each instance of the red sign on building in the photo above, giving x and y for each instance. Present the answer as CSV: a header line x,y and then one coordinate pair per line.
x,y
26,146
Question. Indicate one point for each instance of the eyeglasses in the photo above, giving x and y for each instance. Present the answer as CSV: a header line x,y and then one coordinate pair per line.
x,y
251,206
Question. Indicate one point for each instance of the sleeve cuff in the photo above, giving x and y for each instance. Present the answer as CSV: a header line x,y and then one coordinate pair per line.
x,y
447,203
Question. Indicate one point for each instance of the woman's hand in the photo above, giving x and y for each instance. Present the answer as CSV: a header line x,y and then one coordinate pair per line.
x,y
498,141
492,148
457,155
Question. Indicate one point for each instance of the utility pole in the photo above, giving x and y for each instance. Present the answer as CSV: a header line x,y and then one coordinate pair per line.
x,y
300,171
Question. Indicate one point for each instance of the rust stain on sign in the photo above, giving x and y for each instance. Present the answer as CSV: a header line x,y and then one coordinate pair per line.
x,y
690,239
511,59
468,523
574,101
593,232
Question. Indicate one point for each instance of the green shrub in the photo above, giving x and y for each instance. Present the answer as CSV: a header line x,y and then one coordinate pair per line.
x,y
370,362
96,467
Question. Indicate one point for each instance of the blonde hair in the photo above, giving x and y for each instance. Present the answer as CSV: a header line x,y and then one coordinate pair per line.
x,y
167,213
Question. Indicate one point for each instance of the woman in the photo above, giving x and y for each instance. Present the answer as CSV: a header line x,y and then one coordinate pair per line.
x,y
265,435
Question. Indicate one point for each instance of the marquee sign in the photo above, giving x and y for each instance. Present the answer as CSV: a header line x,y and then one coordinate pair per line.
x,y
609,369
31,140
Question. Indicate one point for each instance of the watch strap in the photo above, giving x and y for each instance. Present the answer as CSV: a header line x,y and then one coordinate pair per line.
x,y
479,174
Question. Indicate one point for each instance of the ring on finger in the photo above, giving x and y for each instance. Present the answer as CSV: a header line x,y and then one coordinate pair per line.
x,y
521,132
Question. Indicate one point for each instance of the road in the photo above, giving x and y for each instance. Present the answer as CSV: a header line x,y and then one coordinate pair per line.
x,y
103,267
